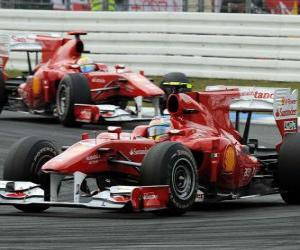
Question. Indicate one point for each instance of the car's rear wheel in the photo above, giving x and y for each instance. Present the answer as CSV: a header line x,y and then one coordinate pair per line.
x,y
171,83
3,95
24,162
288,169
171,163
72,89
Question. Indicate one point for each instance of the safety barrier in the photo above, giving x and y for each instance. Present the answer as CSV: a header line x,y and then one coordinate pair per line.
x,y
237,46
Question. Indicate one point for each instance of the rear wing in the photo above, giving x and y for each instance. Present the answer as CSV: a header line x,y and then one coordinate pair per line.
x,y
24,42
282,102
256,99
46,43
28,43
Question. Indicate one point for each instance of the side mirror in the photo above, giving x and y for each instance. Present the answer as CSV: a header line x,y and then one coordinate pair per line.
x,y
119,66
189,111
74,66
176,132
113,129
122,80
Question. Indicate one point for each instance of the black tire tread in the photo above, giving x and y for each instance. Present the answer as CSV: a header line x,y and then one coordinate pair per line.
x,y
20,155
288,169
79,93
155,171
17,166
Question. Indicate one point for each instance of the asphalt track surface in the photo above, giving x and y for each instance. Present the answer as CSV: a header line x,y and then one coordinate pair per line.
x,y
257,223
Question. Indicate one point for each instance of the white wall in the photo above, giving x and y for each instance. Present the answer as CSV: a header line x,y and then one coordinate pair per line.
x,y
239,46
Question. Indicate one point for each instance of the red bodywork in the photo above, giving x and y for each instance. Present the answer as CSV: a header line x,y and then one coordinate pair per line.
x,y
282,6
200,121
60,57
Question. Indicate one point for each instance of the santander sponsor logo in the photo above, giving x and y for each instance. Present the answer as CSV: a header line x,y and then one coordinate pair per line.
x,y
280,112
258,94
263,95
135,151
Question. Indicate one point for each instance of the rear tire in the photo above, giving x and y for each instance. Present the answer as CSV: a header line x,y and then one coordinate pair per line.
x,y
73,89
172,77
171,163
24,162
3,94
288,170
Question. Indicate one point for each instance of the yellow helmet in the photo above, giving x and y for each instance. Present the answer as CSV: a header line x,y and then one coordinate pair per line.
x,y
86,64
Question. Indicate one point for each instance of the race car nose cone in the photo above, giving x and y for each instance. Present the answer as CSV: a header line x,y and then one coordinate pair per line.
x,y
52,165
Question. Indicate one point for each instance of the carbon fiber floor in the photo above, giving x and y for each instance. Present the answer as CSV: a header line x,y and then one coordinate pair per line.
x,y
261,223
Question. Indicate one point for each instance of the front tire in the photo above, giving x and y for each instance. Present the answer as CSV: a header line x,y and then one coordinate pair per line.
x,y
288,169
73,89
171,163
24,162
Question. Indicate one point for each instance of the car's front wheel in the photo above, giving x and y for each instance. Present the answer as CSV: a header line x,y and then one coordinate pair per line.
x,y
24,162
73,89
172,164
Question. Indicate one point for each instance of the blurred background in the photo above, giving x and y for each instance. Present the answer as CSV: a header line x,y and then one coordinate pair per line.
x,y
286,7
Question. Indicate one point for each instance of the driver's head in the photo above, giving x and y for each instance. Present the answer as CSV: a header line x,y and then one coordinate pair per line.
x,y
86,64
158,126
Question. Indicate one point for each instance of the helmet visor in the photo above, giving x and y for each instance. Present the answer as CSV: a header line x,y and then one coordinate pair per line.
x,y
157,130
87,68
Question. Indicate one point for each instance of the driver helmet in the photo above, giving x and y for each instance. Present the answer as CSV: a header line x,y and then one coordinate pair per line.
x,y
158,126
86,64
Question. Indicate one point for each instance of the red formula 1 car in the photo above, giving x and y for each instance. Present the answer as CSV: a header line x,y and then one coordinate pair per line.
x,y
197,155
70,86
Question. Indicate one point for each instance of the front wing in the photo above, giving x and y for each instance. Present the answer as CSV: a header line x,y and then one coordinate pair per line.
x,y
137,198
94,113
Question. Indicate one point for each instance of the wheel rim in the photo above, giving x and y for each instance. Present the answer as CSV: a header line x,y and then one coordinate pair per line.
x,y
183,179
38,165
62,100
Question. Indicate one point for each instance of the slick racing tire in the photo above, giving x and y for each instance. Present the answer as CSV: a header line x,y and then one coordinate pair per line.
x,y
288,169
24,162
172,77
172,164
72,89
3,95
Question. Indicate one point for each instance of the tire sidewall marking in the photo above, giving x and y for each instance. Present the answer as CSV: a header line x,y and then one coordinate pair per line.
x,y
181,153
44,151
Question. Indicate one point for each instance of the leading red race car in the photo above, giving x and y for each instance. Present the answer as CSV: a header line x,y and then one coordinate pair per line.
x,y
196,155
69,85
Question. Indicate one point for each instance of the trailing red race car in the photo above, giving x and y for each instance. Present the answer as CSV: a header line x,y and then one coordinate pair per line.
x,y
195,155
69,85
